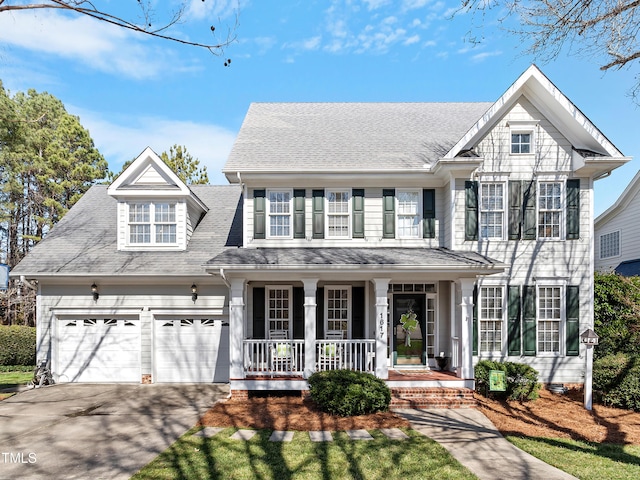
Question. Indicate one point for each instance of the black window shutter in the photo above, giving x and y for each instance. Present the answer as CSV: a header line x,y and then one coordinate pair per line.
x,y
320,313
529,314
429,213
475,321
298,213
298,312
471,210
515,209
573,320
389,213
318,213
357,314
357,195
529,204
573,209
259,213
259,313
513,322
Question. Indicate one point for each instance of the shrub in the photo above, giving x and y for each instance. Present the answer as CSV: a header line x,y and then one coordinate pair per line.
x,y
347,393
522,380
17,345
616,380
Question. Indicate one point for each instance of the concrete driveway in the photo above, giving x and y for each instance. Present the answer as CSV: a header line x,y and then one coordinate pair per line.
x,y
95,430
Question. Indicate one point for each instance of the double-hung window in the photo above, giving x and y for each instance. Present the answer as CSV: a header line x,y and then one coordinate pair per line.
x,y
338,213
408,214
491,318
338,308
549,318
492,210
279,301
152,223
521,142
549,210
279,210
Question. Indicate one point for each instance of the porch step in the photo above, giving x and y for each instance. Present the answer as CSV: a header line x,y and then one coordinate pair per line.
x,y
431,397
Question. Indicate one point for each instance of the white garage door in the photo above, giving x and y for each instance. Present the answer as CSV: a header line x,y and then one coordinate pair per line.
x,y
99,350
191,350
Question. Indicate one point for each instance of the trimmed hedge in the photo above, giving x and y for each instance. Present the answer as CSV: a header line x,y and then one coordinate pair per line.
x,y
347,393
522,380
17,345
616,381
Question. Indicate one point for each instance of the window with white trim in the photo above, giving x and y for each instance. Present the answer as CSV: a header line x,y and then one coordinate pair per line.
x,y
279,211
338,213
610,244
492,210
521,142
491,314
279,302
549,209
549,317
152,223
408,214
338,308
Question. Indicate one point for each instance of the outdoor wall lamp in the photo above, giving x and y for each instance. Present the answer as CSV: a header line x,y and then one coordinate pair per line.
x,y
194,292
94,292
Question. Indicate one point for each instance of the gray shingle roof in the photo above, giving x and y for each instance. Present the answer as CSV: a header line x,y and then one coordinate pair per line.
x,y
439,258
349,136
84,241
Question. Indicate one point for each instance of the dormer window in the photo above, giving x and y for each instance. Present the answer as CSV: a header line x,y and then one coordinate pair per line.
x,y
152,223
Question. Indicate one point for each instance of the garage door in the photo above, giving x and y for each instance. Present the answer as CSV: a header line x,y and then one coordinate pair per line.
x,y
99,350
191,350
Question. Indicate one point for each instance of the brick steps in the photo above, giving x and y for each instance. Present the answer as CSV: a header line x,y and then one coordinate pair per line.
x,y
430,397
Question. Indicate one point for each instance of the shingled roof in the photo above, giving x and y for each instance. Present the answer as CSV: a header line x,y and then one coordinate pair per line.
x,y
349,136
84,241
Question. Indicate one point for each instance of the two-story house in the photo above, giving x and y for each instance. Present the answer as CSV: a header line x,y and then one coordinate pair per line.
x,y
369,236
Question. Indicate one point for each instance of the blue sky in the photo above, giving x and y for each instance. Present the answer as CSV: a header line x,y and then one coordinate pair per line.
x,y
132,92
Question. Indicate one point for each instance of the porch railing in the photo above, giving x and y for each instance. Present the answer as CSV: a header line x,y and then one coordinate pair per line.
x,y
455,353
286,357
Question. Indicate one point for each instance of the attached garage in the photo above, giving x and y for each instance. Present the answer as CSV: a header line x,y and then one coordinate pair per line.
x,y
191,350
98,350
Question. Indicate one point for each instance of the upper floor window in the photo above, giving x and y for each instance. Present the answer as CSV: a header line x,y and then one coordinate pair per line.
x,y
338,213
610,244
152,223
549,318
521,142
549,209
492,210
279,210
408,214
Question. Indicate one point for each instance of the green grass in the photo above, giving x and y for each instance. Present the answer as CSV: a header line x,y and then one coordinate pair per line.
x,y
220,457
13,379
584,460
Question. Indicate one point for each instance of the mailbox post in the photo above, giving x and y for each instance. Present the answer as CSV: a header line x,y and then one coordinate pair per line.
x,y
589,339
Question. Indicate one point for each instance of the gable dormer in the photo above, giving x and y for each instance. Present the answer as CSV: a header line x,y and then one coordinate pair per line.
x,y
156,210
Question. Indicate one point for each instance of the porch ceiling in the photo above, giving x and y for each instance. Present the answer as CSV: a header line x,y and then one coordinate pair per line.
x,y
380,260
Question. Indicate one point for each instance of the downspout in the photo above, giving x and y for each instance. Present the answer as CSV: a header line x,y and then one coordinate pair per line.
x,y
224,278
24,281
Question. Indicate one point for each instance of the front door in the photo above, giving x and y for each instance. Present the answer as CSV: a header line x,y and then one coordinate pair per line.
x,y
409,329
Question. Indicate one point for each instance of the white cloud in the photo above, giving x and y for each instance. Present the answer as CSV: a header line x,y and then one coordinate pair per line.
x,y
120,140
480,57
96,44
220,9
375,4
411,40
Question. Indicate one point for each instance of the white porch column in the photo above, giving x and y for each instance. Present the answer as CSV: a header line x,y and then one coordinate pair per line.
x,y
236,327
310,291
382,309
466,330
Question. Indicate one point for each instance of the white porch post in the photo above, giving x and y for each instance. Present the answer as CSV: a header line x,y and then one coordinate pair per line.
x,y
236,327
466,330
310,291
382,308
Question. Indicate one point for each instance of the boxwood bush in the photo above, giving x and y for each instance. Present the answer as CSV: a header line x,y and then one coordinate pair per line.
x,y
17,345
616,380
522,380
347,393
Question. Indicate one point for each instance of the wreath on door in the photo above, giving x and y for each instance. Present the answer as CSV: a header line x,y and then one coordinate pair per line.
x,y
409,322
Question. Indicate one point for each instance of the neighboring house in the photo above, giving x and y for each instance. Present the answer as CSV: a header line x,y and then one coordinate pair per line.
x,y
617,233
371,236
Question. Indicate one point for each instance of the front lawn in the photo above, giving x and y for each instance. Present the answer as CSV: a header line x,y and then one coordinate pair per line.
x,y
12,379
193,457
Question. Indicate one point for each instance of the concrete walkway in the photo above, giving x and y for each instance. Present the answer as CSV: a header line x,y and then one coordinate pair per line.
x,y
476,443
